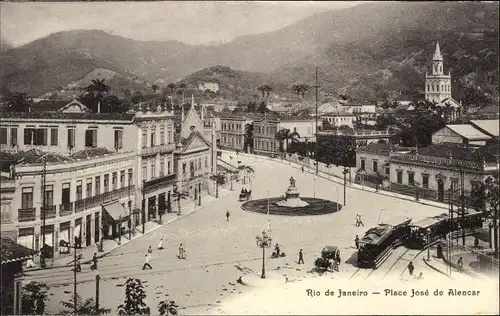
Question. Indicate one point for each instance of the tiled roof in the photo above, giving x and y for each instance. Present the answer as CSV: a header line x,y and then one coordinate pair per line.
x,y
341,113
460,152
46,115
49,105
34,156
382,149
6,160
91,152
489,126
12,251
467,131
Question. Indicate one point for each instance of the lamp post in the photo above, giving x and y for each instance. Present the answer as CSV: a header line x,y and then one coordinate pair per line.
x,y
314,186
263,242
429,246
143,208
344,172
378,220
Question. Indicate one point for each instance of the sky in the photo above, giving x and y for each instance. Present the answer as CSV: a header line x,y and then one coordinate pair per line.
x,y
190,22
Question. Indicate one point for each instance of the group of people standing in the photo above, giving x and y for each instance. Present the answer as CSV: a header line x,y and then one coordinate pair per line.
x,y
148,255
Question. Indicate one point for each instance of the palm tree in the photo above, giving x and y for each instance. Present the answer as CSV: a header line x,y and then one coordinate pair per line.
x,y
97,89
296,88
303,89
247,172
262,90
154,88
178,195
172,87
268,90
248,138
219,179
282,136
182,89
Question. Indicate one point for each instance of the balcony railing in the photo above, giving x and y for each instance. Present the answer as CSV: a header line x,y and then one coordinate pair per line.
x,y
79,205
97,200
160,182
66,209
26,214
50,211
158,149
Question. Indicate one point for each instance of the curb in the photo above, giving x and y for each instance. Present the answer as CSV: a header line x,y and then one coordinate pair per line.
x,y
436,269
104,253
336,179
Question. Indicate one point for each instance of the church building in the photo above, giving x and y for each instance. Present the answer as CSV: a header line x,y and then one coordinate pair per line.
x,y
438,87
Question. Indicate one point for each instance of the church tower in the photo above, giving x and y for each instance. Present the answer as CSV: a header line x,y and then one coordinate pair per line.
x,y
437,84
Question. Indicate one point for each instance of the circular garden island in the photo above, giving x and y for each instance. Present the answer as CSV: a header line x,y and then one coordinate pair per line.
x,y
314,206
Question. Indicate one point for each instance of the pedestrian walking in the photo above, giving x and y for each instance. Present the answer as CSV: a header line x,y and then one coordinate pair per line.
x,y
476,242
268,227
356,242
182,252
150,250
302,169
439,251
301,257
356,219
460,263
410,268
360,221
227,215
147,259
160,244
94,262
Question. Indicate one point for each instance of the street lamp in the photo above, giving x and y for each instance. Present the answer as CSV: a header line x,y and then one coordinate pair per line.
x,y
263,242
429,244
345,172
378,220
314,186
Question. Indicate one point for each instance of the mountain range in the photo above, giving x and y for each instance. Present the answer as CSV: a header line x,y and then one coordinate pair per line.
x,y
370,51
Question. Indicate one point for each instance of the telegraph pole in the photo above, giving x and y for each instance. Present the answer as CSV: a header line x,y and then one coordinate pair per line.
x,y
462,201
317,143
44,183
143,207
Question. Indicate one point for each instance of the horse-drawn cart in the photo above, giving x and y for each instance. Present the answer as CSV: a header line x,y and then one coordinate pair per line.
x,y
245,195
330,259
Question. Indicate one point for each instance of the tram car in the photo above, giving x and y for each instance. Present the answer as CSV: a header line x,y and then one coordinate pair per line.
x,y
427,231
378,242
430,229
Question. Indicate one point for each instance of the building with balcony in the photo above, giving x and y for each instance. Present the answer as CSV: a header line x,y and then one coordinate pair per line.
x,y
80,191
233,131
155,159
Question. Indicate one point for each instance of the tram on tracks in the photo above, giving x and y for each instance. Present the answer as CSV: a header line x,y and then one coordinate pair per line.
x,y
431,229
378,242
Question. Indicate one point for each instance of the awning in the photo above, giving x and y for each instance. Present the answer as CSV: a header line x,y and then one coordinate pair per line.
x,y
114,211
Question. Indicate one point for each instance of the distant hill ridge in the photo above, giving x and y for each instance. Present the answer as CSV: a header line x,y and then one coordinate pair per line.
x,y
372,50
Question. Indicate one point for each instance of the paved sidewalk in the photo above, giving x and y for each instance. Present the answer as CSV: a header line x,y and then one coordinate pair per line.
x,y
187,208
335,177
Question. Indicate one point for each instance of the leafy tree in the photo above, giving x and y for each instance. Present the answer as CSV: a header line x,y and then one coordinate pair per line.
x,y
34,297
172,87
478,196
18,102
178,195
167,307
155,88
137,97
226,110
83,307
248,172
295,89
262,108
304,89
251,107
134,299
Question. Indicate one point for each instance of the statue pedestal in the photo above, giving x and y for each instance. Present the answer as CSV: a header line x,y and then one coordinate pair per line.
x,y
292,198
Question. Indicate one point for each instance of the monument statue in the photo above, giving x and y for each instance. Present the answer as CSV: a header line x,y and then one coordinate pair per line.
x,y
292,182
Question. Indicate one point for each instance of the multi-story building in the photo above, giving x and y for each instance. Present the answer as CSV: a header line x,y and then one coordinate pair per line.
x,y
88,195
97,158
360,137
233,131
266,128
195,155
337,119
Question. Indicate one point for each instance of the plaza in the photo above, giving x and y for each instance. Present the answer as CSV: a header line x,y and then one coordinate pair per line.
x,y
220,251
